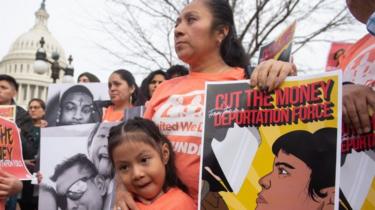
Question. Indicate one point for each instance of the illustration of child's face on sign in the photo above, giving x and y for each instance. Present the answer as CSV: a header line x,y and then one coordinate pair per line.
x,y
76,108
286,186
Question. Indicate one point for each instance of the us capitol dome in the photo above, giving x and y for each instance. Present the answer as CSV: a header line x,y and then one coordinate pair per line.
x,y
21,57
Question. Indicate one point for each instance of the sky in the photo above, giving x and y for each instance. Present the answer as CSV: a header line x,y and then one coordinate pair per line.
x,y
72,23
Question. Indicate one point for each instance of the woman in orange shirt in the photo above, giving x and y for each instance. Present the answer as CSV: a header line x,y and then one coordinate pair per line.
x,y
123,92
205,38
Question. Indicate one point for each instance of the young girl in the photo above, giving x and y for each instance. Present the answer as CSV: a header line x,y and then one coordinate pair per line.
x,y
144,162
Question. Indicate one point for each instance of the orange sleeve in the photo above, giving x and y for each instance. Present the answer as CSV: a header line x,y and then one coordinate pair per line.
x,y
149,112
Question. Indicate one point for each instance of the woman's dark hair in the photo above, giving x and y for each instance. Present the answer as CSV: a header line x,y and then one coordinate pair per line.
x,y
317,150
128,77
39,101
144,90
231,49
145,131
91,77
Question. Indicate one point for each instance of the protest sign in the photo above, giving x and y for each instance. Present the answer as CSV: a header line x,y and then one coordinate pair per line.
x,y
276,150
280,48
11,159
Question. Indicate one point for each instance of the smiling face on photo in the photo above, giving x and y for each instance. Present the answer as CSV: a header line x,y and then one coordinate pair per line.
x,y
98,151
78,187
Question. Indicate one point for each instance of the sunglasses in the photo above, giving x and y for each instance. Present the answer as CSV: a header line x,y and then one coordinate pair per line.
x,y
75,191
35,107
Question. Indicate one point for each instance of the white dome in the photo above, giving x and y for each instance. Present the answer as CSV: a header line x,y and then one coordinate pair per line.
x,y
20,59
28,42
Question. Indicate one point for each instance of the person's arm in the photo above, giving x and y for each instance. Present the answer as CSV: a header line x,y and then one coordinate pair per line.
x,y
269,74
357,101
43,123
49,201
9,184
123,198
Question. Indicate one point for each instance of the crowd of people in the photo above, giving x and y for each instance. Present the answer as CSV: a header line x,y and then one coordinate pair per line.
x,y
149,174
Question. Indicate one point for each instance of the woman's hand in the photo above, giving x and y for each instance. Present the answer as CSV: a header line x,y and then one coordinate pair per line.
x,y
9,184
30,163
357,101
269,74
39,177
43,123
123,199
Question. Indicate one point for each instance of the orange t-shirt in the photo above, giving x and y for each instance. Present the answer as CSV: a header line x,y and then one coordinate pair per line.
x,y
358,62
109,115
174,199
177,107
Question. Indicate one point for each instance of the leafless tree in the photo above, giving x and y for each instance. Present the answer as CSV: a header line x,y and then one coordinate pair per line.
x,y
143,29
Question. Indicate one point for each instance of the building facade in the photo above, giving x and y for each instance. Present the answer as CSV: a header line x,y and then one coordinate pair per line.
x,y
18,62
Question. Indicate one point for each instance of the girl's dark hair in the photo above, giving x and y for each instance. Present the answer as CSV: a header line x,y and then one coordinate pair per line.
x,y
144,91
145,131
91,77
39,101
231,49
128,77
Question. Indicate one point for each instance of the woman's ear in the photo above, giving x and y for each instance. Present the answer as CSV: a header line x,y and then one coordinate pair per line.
x,y
165,153
132,89
222,33
101,184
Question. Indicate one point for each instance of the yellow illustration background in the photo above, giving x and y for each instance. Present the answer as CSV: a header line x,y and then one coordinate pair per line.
x,y
263,161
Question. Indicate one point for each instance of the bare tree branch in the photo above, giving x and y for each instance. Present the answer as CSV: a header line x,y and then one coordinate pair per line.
x,y
172,5
259,8
149,42
336,21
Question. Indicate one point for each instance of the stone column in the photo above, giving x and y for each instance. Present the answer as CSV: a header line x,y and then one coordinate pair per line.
x,y
20,93
28,94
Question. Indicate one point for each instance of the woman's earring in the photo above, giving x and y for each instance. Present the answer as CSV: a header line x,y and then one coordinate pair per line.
x,y
130,99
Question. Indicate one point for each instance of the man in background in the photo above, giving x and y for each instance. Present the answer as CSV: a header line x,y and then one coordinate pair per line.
x,y
8,90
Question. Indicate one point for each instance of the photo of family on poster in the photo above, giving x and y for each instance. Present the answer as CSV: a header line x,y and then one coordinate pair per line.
x,y
75,165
